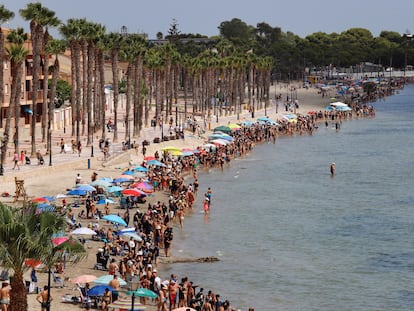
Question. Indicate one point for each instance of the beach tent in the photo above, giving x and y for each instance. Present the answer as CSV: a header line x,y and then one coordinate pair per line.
x,y
339,104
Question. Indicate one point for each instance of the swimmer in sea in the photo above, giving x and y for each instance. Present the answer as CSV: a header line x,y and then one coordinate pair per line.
x,y
332,169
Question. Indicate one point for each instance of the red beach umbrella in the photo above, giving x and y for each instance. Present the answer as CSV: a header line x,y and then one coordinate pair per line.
x,y
39,200
32,263
59,240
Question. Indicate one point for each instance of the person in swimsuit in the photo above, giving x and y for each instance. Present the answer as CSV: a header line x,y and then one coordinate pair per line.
x,y
4,296
332,168
107,299
42,298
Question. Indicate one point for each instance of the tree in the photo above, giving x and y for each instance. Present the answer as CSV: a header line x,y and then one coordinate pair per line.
x,y
71,31
63,92
5,16
16,54
54,47
237,31
38,17
25,234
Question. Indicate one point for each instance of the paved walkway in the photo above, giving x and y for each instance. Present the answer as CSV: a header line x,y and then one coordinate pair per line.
x,y
92,154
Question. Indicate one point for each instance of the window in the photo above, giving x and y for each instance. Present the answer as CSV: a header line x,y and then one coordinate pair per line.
x,y
6,89
6,65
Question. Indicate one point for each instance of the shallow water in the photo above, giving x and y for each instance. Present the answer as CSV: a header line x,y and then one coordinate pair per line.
x,y
291,237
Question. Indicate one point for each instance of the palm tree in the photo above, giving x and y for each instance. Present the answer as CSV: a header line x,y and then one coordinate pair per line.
x,y
25,234
5,16
114,41
36,14
71,31
55,47
50,21
17,55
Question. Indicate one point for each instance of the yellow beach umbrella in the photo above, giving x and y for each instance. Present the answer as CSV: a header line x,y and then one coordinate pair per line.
x,y
171,148
234,126
176,152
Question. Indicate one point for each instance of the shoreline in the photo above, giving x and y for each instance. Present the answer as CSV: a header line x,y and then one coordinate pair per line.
x,y
113,170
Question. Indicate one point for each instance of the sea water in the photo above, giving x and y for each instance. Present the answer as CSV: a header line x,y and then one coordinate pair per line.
x,y
291,237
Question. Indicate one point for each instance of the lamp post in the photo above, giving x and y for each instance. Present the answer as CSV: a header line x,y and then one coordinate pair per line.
x,y
49,133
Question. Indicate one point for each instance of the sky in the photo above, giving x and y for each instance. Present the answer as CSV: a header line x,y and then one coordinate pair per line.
x,y
204,17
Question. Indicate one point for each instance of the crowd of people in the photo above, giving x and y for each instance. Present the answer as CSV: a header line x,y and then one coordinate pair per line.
x,y
136,259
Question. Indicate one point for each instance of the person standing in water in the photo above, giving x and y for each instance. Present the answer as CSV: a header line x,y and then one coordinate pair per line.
x,y
332,168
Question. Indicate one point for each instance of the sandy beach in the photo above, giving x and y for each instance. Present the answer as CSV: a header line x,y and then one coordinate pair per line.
x,y
56,179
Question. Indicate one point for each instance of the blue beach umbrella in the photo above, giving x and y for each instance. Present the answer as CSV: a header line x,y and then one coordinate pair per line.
x,y
128,172
114,189
265,119
105,279
156,163
121,180
99,290
86,188
45,207
140,169
101,183
115,219
105,200
76,192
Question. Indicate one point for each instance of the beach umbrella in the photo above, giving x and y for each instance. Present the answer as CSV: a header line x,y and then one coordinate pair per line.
x,y
101,183
116,219
76,192
234,126
34,263
105,200
144,186
220,141
39,200
128,172
184,309
59,240
176,152
126,304
208,146
60,196
187,153
83,231
343,108
129,177
99,290
170,148
105,279
49,198
122,179
264,119
45,207
142,292
133,192
156,163
114,189
223,128
329,108
247,123
149,158
129,235
71,245
87,188
140,169
84,278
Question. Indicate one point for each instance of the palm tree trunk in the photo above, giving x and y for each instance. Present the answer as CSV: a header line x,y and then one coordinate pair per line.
x,y
74,86
19,74
45,87
2,57
115,77
90,70
18,295
78,91
53,84
37,48
84,88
